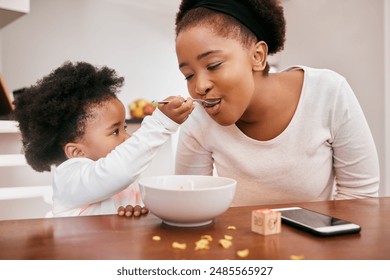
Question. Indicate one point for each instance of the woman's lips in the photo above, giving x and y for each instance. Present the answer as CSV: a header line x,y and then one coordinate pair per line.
x,y
215,102
213,109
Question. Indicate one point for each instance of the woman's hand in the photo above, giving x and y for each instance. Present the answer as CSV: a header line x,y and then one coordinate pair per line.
x,y
130,211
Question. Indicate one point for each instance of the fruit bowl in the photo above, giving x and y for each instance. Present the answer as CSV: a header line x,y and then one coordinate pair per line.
x,y
141,108
187,200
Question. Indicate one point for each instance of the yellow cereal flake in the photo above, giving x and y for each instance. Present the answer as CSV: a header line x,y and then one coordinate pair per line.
x,y
228,237
202,244
207,237
297,257
231,228
156,238
243,253
225,243
180,246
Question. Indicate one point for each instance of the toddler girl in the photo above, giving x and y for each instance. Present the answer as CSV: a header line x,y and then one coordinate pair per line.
x,y
72,119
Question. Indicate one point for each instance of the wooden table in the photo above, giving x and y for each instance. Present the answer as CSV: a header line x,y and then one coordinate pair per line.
x,y
114,237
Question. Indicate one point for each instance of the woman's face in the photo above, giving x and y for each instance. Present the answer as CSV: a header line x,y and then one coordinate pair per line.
x,y
105,129
216,67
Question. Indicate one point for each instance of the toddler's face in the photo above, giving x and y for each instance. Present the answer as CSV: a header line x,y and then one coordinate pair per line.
x,y
105,130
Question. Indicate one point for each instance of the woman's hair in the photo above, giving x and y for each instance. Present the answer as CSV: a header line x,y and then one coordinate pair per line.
x,y
269,14
54,111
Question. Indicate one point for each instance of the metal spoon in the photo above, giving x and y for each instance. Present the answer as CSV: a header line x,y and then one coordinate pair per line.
x,y
206,103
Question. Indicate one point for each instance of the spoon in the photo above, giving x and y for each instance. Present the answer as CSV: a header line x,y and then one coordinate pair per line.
x,y
206,103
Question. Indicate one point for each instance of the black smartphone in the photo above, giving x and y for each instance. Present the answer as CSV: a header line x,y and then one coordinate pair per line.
x,y
316,223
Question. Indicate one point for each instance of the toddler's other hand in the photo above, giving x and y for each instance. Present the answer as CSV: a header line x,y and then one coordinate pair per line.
x,y
130,211
178,109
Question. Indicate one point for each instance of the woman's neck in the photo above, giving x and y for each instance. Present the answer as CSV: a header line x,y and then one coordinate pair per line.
x,y
273,105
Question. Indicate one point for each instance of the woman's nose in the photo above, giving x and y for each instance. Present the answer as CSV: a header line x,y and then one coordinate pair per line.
x,y
202,86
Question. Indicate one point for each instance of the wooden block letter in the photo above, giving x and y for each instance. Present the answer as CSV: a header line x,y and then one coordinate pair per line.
x,y
266,221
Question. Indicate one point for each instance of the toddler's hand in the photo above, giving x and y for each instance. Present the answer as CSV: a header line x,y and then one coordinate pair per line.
x,y
178,109
135,211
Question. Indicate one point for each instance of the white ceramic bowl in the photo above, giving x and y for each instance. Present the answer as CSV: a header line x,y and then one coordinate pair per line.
x,y
187,200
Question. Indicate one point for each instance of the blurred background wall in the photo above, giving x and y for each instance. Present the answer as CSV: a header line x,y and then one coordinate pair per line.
x,y
137,39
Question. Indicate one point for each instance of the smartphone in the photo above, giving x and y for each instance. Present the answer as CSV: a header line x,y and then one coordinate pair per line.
x,y
316,223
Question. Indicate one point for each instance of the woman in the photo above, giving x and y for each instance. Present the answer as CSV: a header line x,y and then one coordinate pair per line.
x,y
297,135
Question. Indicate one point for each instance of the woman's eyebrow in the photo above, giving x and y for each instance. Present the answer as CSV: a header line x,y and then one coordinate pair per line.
x,y
200,56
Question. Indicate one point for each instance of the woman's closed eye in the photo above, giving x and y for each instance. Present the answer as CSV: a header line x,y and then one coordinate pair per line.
x,y
210,67
188,77
214,66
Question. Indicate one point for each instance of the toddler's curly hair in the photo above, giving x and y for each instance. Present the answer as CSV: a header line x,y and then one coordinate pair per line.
x,y
54,111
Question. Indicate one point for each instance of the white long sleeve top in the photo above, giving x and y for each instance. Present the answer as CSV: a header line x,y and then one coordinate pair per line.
x,y
85,187
326,152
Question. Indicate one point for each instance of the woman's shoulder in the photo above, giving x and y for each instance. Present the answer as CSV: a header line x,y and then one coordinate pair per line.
x,y
317,80
322,75
315,72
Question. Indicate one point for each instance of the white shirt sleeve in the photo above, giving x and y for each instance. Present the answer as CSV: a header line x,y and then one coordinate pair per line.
x,y
355,159
81,181
192,157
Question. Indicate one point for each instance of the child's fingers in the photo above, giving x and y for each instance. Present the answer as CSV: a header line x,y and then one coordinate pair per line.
x,y
121,211
129,210
137,211
144,210
189,104
185,108
176,102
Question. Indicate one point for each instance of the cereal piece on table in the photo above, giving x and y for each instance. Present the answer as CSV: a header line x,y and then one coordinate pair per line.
x,y
231,228
266,221
180,246
202,244
208,237
297,257
156,238
243,253
225,243
228,237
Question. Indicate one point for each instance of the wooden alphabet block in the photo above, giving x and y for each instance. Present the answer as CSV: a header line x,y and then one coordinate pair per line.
x,y
266,221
